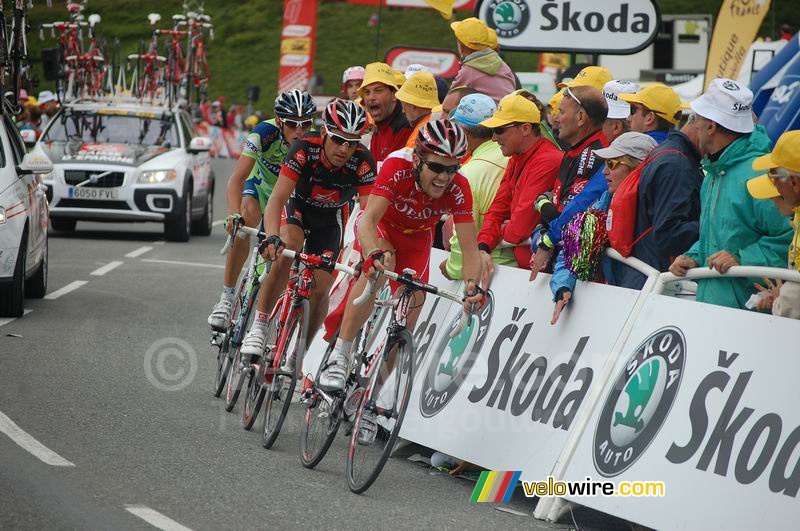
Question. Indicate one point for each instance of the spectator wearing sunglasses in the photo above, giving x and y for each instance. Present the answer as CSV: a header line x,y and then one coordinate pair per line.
x,y
580,182
531,171
623,156
735,228
781,184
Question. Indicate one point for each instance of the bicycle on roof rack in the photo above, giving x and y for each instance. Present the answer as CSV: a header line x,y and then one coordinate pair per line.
x,y
14,65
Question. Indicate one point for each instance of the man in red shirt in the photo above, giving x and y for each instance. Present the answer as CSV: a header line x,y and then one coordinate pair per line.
x,y
531,171
378,98
412,192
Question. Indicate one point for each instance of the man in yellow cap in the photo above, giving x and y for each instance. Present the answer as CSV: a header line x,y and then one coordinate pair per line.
x,y
378,96
418,96
591,76
531,171
781,184
482,69
655,110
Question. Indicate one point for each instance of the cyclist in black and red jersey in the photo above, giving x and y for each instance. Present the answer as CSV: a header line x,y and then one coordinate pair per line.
x,y
308,208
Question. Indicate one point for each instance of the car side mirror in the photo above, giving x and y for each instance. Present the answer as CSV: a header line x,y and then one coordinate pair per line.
x,y
28,137
199,144
35,162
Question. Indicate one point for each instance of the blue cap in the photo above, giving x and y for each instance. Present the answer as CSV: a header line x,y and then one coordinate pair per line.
x,y
473,109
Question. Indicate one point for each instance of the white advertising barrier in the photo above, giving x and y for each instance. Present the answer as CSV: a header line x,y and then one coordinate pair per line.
x,y
703,398
505,392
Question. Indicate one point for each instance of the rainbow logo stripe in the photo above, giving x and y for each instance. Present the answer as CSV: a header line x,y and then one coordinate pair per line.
x,y
494,486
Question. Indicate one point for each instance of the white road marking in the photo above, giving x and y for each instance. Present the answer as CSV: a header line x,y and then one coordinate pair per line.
x,y
106,268
155,518
29,444
218,223
159,242
138,252
72,286
6,320
192,264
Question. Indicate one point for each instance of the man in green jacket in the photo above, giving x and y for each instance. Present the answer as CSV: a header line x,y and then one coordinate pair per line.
x,y
735,228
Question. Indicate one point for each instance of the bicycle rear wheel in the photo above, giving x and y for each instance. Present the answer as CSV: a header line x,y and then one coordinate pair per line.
x,y
320,422
255,385
366,459
280,389
223,365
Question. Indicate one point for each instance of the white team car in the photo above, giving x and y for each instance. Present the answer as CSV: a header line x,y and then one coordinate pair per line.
x,y
125,161
23,221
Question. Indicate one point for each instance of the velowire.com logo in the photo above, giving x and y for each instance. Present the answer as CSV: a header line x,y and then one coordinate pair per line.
x,y
452,359
639,402
509,17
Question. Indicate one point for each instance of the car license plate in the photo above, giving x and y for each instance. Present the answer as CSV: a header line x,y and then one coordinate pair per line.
x,y
93,193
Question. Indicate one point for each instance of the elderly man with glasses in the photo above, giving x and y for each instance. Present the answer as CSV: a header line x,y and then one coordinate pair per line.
x,y
531,171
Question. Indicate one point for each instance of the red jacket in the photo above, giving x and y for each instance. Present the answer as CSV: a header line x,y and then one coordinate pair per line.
x,y
512,215
391,135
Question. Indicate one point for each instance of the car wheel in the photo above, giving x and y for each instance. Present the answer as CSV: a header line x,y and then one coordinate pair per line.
x,y
179,229
202,227
12,296
63,224
36,287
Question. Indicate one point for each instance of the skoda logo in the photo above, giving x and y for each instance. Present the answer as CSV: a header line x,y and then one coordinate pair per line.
x,y
508,17
730,85
452,359
640,401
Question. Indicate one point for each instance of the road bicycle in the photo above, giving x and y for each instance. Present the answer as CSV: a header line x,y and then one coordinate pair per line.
x,y
196,72
70,45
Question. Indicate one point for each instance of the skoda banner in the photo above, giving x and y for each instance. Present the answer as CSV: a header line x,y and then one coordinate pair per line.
x,y
610,27
704,399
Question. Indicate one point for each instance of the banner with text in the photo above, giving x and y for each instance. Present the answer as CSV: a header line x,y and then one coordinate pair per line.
x,y
735,30
297,44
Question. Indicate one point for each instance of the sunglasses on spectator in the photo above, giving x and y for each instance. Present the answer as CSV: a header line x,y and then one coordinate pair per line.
x,y
437,168
777,174
613,163
342,141
568,92
500,130
295,124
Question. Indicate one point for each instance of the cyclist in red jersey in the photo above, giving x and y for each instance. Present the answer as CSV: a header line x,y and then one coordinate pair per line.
x,y
308,209
413,190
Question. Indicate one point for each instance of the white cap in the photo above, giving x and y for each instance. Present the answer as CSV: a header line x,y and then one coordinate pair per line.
x,y
617,108
727,103
414,68
45,96
636,145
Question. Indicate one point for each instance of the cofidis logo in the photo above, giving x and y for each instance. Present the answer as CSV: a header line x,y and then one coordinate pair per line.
x,y
452,359
640,401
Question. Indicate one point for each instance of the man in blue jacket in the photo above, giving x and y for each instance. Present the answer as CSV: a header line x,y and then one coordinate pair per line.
x,y
735,228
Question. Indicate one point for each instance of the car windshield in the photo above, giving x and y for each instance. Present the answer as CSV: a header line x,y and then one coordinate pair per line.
x,y
131,128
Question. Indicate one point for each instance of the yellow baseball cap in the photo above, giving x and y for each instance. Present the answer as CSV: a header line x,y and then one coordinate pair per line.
x,y
660,99
378,73
786,154
419,90
474,33
512,109
591,76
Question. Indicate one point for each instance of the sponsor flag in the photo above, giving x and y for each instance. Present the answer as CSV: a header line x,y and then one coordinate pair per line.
x,y
736,29
297,44
494,486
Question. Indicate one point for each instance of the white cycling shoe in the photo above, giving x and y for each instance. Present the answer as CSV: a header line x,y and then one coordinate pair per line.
x,y
253,343
220,316
333,377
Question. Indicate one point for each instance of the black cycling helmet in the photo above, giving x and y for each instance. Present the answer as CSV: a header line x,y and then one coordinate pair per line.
x,y
346,116
295,104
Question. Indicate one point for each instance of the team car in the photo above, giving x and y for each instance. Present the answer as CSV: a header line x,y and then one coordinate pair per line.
x,y
23,221
124,161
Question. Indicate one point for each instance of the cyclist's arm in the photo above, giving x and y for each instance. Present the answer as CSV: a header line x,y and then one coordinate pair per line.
x,y
236,183
469,249
280,194
362,201
368,225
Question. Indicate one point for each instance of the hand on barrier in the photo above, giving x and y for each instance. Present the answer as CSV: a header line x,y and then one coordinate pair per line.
x,y
681,265
563,299
271,247
768,294
539,261
722,261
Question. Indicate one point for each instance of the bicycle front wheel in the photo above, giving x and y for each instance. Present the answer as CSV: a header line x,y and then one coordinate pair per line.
x,y
289,355
256,388
223,365
385,400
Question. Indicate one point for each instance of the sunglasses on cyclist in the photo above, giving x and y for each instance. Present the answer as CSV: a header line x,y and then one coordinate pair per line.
x,y
295,124
437,168
342,141
500,130
613,163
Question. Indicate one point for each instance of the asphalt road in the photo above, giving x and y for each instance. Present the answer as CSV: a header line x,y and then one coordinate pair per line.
x,y
141,441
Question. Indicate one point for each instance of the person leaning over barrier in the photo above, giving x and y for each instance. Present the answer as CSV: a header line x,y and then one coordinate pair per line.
x,y
618,109
735,229
585,241
484,171
781,184
531,172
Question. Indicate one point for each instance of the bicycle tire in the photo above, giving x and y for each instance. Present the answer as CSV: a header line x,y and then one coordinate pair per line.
x,y
223,366
282,386
404,366
256,390
330,417
235,381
